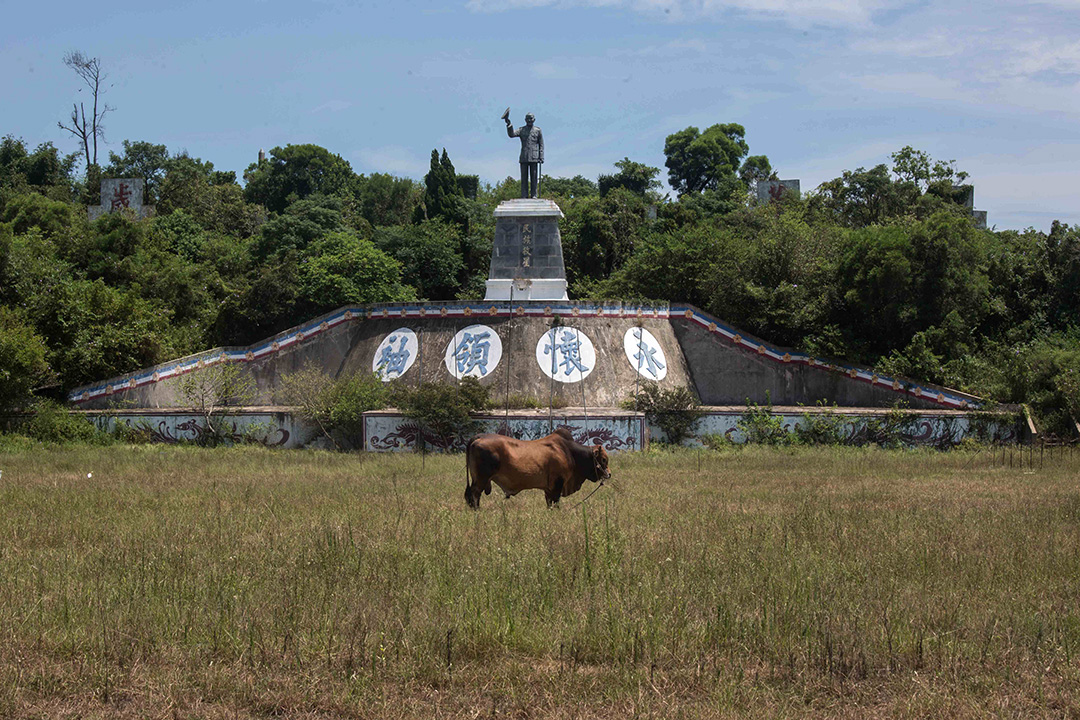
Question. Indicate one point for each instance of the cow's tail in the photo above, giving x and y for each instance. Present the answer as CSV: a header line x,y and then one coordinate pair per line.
x,y
468,454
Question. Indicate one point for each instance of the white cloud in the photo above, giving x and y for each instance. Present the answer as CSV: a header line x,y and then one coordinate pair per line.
x,y
800,12
935,44
1043,55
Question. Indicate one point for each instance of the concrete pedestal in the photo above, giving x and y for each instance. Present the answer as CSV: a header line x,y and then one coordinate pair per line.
x,y
526,257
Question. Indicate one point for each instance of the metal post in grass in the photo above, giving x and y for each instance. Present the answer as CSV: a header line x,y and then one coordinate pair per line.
x,y
584,409
419,385
551,401
509,359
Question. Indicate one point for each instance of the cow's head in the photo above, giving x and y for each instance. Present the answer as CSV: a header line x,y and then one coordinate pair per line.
x,y
472,496
473,492
600,460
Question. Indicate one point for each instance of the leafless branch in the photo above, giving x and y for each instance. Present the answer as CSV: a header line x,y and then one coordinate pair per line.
x,y
89,70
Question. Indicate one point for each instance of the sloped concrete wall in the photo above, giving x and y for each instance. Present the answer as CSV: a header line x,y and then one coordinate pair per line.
x,y
730,367
611,381
723,365
347,341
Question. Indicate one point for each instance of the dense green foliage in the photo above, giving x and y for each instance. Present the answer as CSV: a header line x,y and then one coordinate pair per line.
x,y
335,405
675,410
880,266
443,410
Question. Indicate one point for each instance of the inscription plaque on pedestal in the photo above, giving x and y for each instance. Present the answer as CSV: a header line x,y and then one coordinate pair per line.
x,y
526,257
121,195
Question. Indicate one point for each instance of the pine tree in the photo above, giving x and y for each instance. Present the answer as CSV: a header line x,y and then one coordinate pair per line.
x,y
443,196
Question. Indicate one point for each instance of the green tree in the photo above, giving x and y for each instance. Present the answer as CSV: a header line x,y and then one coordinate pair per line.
x,y
295,172
874,284
862,197
707,258
264,304
343,269
443,197
59,221
141,159
918,168
570,188
44,169
1063,262
430,256
388,200
755,169
95,331
698,161
636,177
23,366
600,233
186,183
298,226
13,161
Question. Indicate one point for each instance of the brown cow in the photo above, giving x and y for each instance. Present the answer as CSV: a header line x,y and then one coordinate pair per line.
x,y
556,464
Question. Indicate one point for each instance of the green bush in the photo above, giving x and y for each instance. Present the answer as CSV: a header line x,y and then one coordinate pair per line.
x,y
442,409
718,441
23,362
336,406
211,390
676,411
889,431
821,428
53,423
759,425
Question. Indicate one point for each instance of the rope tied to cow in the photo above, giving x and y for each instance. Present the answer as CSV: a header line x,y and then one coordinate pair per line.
x,y
600,485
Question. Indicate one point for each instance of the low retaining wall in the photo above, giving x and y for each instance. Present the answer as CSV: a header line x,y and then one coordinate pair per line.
x,y
383,430
935,428
617,430
272,427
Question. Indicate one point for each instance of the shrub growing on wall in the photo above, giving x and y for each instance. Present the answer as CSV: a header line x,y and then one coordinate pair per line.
x,y
759,425
676,411
442,409
335,405
210,391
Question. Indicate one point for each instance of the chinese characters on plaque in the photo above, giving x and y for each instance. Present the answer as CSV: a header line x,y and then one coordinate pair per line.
x,y
563,353
121,195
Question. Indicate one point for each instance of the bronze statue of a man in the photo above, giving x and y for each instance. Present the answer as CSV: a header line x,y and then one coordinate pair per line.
x,y
532,153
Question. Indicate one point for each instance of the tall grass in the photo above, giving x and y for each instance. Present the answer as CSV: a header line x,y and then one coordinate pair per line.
x,y
247,583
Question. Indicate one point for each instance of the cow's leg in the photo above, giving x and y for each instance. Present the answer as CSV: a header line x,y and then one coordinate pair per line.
x,y
552,495
484,464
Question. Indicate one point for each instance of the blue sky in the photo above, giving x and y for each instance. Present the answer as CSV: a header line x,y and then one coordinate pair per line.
x,y
820,85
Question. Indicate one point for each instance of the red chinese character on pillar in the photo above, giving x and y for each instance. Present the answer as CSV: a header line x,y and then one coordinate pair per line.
x,y
121,197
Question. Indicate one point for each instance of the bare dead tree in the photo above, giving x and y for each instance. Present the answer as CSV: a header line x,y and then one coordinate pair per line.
x,y
88,130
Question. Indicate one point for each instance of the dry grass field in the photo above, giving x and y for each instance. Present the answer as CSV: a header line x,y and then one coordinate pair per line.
x,y
246,583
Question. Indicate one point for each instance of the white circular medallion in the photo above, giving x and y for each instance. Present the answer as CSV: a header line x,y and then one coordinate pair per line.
x,y
566,354
474,352
395,354
645,354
